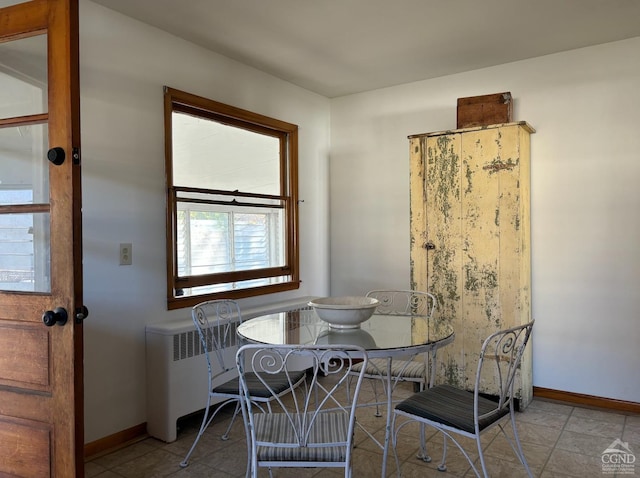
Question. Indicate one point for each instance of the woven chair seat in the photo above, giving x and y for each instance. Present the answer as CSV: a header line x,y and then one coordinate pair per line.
x,y
399,368
329,427
452,407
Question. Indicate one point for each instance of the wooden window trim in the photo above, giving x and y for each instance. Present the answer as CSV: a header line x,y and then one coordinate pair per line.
x,y
176,100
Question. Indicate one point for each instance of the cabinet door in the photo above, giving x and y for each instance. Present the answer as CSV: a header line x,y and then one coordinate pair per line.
x,y
469,217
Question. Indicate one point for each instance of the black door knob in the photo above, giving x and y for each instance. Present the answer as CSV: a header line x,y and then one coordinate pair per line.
x,y
56,155
52,317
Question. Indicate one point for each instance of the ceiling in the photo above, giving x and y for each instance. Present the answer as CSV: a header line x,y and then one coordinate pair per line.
x,y
340,47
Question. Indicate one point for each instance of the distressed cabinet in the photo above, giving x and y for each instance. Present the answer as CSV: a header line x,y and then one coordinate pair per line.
x,y
470,239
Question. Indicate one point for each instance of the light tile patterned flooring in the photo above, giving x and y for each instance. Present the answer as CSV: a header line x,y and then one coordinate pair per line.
x,y
559,441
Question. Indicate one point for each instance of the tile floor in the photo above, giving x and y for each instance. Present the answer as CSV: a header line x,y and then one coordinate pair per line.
x,y
559,441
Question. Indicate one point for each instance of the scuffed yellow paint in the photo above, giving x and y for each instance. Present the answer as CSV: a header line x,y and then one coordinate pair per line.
x,y
470,197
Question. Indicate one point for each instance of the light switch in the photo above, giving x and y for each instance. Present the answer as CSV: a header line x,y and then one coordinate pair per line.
x,y
126,258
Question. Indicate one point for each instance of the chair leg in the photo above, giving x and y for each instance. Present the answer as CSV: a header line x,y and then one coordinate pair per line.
x,y
245,419
423,455
203,427
484,467
225,436
443,464
375,396
394,443
519,451
206,420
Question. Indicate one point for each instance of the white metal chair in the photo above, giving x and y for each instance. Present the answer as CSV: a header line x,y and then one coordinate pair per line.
x,y
403,303
216,322
313,428
454,411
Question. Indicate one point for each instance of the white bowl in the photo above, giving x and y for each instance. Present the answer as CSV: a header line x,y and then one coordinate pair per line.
x,y
344,312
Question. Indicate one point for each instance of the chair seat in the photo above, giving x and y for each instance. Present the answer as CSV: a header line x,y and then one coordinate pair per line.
x,y
452,407
278,382
399,368
276,428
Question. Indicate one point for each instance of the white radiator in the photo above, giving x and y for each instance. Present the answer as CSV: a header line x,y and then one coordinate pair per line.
x,y
177,369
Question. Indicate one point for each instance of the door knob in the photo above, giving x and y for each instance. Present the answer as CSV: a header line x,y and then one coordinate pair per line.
x,y
52,317
56,155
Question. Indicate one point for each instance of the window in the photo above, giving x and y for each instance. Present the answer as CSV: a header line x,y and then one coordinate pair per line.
x,y
232,208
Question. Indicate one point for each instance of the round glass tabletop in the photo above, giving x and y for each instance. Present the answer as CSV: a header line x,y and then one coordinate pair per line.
x,y
381,335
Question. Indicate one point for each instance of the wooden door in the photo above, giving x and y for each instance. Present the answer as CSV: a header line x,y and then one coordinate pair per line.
x,y
41,383
470,239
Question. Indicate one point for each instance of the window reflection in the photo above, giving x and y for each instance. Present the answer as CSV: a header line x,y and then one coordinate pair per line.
x,y
23,164
23,77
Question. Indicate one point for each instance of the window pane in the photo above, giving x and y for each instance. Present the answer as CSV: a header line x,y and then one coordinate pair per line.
x,y
212,241
209,248
212,155
251,241
23,77
23,165
24,252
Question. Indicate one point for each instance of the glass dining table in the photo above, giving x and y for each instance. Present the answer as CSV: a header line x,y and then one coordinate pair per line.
x,y
382,336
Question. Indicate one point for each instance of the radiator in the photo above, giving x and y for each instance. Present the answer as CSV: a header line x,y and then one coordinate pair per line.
x,y
177,369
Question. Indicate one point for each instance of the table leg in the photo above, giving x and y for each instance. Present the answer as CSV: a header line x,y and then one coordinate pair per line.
x,y
387,433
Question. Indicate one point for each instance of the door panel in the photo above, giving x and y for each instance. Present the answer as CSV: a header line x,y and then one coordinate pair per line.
x,y
41,387
27,440
24,362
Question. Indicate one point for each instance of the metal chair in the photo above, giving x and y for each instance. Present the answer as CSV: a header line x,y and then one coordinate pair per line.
x,y
454,411
313,428
216,322
404,303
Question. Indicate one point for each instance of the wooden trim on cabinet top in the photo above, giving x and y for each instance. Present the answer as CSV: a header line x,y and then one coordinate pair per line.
x,y
524,124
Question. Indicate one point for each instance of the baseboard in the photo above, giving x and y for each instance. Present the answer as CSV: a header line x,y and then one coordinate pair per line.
x,y
115,441
587,400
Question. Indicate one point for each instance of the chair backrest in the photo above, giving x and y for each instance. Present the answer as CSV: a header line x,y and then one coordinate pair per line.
x,y
404,302
216,322
302,416
499,362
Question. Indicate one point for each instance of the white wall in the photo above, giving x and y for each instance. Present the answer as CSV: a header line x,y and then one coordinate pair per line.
x,y
585,202
124,65
585,224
